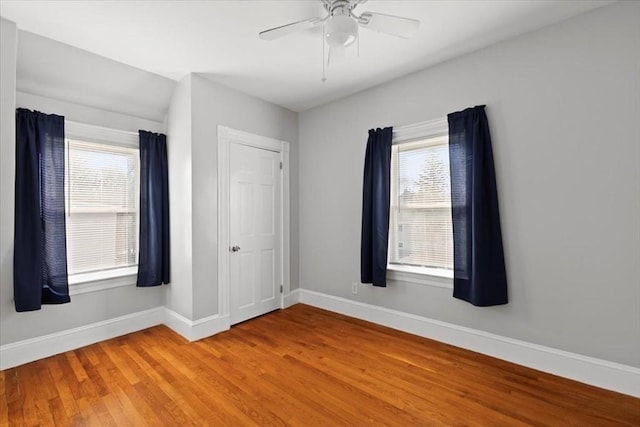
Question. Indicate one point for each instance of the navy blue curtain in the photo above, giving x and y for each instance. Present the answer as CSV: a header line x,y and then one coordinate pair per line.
x,y
479,272
40,246
153,264
375,208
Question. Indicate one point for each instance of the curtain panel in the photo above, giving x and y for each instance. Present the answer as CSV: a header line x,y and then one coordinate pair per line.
x,y
375,208
153,265
479,270
40,250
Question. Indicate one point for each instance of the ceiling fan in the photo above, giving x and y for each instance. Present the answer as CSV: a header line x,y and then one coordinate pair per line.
x,y
341,25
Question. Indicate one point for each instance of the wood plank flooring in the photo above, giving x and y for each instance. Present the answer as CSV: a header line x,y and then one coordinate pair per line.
x,y
301,367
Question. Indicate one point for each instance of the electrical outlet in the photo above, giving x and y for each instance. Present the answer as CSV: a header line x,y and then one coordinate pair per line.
x,y
354,288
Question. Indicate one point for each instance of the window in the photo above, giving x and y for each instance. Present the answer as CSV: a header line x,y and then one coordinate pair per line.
x,y
102,196
420,228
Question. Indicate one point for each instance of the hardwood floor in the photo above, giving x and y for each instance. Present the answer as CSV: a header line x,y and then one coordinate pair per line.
x,y
302,367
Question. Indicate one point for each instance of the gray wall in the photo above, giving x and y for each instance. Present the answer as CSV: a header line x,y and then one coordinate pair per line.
x,y
36,58
179,294
8,54
563,106
59,71
53,77
211,105
197,108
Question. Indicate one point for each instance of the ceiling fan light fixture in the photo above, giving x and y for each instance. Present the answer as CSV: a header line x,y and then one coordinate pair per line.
x,y
341,30
340,27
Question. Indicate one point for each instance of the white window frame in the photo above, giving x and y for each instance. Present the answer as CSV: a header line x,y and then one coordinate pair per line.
x,y
96,281
420,275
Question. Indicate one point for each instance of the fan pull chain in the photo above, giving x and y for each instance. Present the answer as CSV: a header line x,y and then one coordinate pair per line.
x,y
324,77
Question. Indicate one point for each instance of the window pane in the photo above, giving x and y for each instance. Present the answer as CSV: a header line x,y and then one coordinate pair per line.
x,y
102,207
420,231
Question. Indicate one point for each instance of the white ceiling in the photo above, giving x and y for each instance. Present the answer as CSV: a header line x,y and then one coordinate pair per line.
x,y
219,39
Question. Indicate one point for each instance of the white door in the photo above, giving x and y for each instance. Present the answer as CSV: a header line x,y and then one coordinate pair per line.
x,y
254,232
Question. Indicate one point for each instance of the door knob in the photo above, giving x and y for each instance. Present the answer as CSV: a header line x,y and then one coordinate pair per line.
x,y
235,248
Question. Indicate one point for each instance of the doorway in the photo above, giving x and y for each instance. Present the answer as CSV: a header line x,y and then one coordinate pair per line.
x,y
253,251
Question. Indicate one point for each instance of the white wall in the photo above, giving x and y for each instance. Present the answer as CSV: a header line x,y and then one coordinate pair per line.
x,y
563,106
91,307
211,105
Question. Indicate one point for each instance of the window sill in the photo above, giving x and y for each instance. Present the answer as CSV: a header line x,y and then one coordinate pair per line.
x,y
421,275
98,281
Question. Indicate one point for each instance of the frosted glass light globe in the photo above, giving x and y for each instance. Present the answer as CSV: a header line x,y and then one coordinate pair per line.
x,y
341,31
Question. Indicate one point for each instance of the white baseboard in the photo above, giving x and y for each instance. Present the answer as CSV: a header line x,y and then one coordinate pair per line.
x,y
291,298
600,373
589,370
29,350
194,330
25,351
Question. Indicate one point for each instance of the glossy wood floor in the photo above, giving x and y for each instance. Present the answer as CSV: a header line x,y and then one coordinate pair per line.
x,y
303,367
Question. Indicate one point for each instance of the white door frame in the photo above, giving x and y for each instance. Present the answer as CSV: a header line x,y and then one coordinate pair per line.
x,y
228,136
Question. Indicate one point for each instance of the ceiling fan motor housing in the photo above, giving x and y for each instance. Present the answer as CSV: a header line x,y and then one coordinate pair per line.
x,y
341,28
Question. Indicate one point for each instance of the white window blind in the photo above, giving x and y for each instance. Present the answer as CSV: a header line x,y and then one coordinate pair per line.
x,y
420,230
102,188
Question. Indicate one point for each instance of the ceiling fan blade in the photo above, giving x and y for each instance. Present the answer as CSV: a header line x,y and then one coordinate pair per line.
x,y
285,30
389,24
